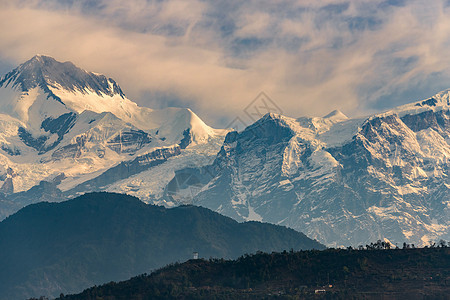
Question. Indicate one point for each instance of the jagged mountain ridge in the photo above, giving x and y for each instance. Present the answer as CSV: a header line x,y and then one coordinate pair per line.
x,y
342,181
60,121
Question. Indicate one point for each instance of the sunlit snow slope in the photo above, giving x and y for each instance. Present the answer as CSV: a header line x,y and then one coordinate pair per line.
x,y
66,126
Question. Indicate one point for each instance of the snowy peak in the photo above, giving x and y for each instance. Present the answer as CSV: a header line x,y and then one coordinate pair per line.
x,y
179,124
44,88
440,101
336,115
48,74
272,118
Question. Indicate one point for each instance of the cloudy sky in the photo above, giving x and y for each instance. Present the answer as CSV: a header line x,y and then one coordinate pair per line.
x,y
216,56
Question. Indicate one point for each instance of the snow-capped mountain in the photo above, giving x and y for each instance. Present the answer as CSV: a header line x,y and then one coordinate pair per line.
x,y
342,181
64,125
65,131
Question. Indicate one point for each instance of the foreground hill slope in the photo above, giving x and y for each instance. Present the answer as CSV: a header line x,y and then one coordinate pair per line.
x,y
53,248
334,274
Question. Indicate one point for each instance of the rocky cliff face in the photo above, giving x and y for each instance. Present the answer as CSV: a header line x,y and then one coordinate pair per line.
x,y
345,182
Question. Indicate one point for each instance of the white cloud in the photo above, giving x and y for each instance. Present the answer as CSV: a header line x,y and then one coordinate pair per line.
x,y
310,57
254,25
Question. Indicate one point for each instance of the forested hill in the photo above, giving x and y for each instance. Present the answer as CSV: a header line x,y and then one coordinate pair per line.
x,y
328,274
53,248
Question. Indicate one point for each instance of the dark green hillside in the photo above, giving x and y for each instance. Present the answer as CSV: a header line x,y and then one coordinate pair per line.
x,y
53,248
329,274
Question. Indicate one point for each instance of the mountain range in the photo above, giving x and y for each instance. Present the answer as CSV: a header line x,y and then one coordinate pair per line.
x,y
343,181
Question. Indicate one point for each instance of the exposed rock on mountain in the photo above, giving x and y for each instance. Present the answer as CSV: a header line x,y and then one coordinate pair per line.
x,y
342,181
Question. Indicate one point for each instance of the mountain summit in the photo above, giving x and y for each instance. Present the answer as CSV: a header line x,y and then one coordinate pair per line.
x,y
336,115
47,73
43,87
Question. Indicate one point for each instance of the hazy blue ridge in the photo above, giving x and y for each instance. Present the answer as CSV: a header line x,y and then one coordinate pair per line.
x,y
53,248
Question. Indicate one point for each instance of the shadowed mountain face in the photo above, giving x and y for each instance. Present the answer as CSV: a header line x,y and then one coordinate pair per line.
x,y
343,182
53,248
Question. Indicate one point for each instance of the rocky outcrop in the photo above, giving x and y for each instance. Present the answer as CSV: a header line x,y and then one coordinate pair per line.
x,y
389,180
